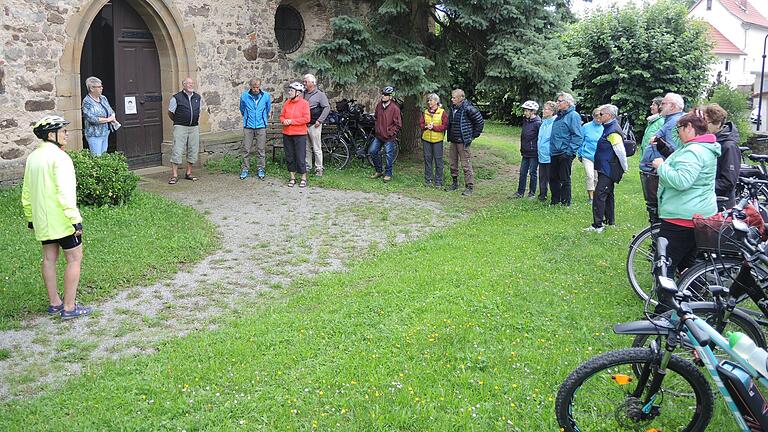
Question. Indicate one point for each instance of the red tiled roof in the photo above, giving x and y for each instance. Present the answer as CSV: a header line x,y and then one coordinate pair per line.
x,y
722,44
745,11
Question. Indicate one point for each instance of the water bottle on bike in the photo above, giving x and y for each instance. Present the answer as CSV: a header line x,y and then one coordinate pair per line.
x,y
745,347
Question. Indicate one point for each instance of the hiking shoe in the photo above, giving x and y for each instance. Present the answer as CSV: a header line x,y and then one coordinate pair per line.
x,y
244,175
261,174
468,191
53,310
594,230
377,175
452,187
387,178
77,312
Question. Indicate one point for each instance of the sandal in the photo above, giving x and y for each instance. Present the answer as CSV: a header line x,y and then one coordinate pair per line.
x,y
190,177
291,182
173,180
303,183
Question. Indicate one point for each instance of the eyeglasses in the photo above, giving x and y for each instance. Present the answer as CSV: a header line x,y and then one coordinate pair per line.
x,y
560,100
599,115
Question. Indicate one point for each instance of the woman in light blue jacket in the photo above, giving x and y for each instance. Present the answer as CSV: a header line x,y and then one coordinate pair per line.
x,y
592,131
97,117
545,131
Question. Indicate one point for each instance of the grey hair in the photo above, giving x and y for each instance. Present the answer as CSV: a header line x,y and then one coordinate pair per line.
x,y
458,92
677,99
92,81
311,78
566,97
657,101
611,110
434,97
254,80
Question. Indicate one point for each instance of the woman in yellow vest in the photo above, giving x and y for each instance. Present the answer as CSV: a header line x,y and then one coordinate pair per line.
x,y
433,123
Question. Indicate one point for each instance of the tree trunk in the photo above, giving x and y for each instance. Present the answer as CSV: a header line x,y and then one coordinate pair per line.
x,y
410,134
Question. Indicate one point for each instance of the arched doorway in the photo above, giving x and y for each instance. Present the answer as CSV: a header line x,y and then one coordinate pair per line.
x,y
120,50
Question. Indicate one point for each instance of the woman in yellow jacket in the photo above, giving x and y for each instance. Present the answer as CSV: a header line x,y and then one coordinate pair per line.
x,y
433,123
49,199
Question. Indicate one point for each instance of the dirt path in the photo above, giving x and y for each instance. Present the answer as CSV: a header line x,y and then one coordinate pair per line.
x,y
271,235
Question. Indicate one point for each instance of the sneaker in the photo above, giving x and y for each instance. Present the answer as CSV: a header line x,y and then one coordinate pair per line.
x,y
244,175
517,195
438,185
77,312
452,187
261,174
531,196
319,172
427,183
594,230
54,310
377,175
468,191
387,178
589,202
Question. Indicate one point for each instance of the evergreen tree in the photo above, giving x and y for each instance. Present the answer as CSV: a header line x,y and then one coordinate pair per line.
x,y
629,56
498,50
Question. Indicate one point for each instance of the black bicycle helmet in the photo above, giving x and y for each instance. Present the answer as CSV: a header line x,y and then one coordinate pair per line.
x,y
48,124
387,91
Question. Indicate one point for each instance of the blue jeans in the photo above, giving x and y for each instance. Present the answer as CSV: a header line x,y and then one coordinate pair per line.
x,y
389,148
526,165
98,145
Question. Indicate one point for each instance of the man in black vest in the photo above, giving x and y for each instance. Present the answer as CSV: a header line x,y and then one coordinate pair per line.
x,y
184,110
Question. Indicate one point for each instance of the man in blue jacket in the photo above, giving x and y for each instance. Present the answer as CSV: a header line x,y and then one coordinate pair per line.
x,y
565,142
255,106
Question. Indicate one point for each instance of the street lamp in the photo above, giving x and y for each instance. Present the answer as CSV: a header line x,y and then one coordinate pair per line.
x,y
760,96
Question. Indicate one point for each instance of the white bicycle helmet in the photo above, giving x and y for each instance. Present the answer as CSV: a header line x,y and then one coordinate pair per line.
x,y
297,86
531,105
47,124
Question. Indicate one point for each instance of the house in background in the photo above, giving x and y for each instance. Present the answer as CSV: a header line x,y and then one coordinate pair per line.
x,y
738,29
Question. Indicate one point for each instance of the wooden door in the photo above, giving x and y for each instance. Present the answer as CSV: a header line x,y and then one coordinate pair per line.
x,y
137,83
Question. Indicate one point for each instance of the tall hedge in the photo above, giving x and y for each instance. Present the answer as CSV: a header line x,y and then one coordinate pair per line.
x,y
630,55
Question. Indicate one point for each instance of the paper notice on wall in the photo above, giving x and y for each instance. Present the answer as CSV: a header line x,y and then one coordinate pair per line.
x,y
130,105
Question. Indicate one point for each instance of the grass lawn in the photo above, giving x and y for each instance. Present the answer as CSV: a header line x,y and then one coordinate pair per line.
x,y
470,328
124,246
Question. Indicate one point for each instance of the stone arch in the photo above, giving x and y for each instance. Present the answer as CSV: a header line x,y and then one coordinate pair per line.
x,y
175,44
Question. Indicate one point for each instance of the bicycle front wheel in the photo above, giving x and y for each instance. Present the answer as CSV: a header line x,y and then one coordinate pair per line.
x,y
335,152
640,261
603,394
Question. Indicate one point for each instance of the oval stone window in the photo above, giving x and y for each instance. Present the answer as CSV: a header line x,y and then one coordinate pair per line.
x,y
289,28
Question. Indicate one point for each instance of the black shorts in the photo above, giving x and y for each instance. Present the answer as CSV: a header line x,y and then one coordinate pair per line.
x,y
68,242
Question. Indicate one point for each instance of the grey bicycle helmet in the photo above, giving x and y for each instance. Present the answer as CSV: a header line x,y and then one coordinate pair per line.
x,y
297,86
387,91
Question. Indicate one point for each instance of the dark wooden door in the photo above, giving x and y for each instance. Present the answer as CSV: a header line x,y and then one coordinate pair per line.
x,y
137,76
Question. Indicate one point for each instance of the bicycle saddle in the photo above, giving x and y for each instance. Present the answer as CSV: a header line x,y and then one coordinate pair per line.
x,y
758,158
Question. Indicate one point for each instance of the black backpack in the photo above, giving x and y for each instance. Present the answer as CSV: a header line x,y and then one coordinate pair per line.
x,y
630,143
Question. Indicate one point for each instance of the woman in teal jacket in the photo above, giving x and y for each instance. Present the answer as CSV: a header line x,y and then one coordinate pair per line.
x,y
545,131
687,188
592,131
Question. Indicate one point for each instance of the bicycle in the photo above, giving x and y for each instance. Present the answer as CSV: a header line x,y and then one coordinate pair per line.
x,y
651,388
355,128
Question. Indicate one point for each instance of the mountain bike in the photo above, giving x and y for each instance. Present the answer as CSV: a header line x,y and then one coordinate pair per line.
x,y
654,389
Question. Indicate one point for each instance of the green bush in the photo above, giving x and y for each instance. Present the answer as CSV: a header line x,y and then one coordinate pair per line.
x,y
103,180
734,102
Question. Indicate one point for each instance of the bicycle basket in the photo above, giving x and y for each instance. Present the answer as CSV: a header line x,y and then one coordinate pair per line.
x,y
650,183
716,234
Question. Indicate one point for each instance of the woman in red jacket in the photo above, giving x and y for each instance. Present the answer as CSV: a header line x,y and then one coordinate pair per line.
x,y
294,117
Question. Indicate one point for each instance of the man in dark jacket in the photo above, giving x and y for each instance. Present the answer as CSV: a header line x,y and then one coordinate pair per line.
x,y
729,162
388,124
465,123
529,149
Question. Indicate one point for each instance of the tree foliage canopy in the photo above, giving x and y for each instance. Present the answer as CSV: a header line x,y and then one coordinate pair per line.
x,y
629,56
497,48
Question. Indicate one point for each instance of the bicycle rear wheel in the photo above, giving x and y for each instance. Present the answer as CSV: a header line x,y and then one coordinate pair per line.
x,y
335,152
603,395
640,262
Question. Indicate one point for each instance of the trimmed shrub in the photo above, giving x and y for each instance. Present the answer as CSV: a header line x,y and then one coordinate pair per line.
x,y
103,180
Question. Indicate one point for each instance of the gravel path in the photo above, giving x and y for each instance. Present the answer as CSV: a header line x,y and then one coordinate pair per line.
x,y
270,234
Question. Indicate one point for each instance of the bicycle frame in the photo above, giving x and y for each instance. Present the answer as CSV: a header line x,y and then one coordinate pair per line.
x,y
707,356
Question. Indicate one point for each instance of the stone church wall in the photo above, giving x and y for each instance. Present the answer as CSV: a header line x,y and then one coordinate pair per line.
x,y
231,42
